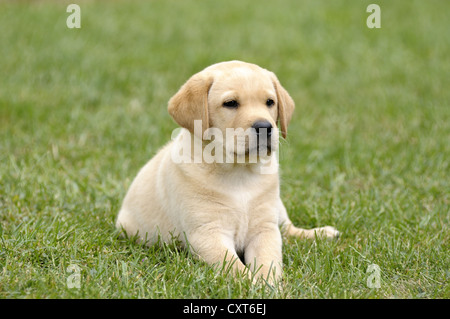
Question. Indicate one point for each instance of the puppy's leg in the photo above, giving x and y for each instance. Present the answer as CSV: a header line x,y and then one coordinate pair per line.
x,y
289,229
216,249
263,253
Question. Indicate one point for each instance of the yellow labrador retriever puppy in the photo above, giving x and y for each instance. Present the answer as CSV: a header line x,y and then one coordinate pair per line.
x,y
215,186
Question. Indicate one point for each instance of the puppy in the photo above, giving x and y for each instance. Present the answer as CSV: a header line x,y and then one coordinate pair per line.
x,y
220,196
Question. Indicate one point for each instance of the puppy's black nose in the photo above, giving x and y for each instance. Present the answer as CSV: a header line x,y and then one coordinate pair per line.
x,y
263,127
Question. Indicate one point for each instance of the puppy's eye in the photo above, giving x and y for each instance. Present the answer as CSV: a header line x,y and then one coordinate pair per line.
x,y
231,104
270,102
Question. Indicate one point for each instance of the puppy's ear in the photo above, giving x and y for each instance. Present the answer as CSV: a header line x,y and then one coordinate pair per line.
x,y
286,105
190,103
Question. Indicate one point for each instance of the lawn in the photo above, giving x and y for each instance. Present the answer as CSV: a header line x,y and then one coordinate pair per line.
x,y
368,148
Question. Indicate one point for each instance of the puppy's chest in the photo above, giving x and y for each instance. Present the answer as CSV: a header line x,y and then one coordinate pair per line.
x,y
242,199
246,199
241,219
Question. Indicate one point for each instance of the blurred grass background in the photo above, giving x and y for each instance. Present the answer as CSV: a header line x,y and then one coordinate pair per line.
x,y
81,110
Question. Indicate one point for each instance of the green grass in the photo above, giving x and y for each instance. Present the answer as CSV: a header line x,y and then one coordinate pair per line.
x,y
367,151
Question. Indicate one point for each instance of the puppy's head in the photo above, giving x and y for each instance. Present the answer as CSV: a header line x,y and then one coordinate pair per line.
x,y
237,98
